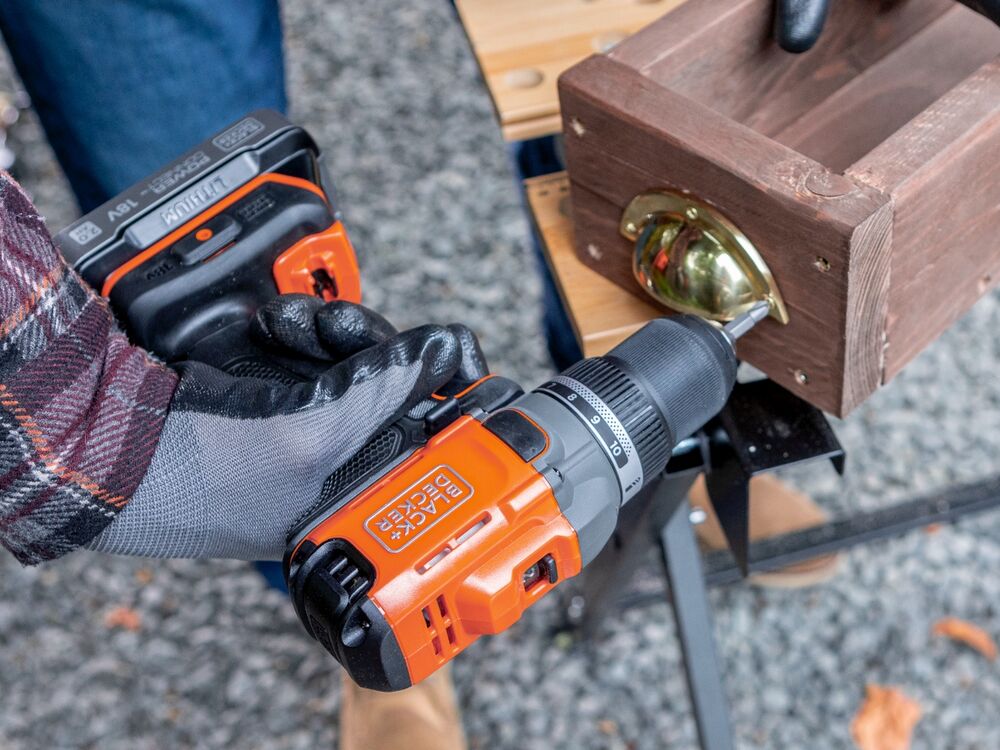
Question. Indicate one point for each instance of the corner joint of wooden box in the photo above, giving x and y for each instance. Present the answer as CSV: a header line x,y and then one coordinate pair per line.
x,y
867,308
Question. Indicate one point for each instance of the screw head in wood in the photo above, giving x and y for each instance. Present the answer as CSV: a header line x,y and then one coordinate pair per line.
x,y
827,184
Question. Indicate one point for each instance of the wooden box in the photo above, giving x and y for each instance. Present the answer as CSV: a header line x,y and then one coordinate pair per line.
x,y
866,171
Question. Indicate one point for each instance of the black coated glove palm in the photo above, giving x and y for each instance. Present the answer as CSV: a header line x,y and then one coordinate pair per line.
x,y
306,334
240,459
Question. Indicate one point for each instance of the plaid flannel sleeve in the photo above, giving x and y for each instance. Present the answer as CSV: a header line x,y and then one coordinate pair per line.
x,y
81,409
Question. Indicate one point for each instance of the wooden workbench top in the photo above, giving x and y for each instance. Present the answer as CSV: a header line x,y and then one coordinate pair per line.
x,y
523,45
602,313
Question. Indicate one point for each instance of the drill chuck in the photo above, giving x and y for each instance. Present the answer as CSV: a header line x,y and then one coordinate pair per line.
x,y
686,368
653,389
612,421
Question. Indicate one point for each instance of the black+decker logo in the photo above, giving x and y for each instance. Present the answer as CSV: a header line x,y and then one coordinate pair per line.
x,y
418,508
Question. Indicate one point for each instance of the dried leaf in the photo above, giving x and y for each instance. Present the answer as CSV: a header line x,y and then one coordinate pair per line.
x,y
885,720
125,618
969,634
607,726
144,576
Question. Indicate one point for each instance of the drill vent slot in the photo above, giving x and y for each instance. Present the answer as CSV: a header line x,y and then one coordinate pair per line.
x,y
453,544
467,535
438,622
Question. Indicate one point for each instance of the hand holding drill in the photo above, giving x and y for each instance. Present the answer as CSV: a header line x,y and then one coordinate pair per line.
x,y
109,447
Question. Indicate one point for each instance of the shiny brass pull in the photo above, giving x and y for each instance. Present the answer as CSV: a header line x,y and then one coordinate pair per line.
x,y
692,259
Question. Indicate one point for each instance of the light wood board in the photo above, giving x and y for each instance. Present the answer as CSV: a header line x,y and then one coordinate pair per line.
x,y
602,313
523,45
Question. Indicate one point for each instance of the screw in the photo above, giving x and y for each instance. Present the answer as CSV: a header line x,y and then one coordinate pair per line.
x,y
822,264
531,575
800,377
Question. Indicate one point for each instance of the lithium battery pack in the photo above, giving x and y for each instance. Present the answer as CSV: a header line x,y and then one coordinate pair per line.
x,y
236,220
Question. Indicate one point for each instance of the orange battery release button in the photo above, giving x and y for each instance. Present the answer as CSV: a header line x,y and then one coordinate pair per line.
x,y
321,264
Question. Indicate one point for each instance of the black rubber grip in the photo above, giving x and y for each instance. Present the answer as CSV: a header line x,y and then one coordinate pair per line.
x,y
663,383
628,401
798,23
519,433
687,365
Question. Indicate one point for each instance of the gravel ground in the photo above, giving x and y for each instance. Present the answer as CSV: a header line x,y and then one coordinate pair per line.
x,y
219,661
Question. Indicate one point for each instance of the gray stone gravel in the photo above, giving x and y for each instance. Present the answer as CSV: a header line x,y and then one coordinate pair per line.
x,y
391,92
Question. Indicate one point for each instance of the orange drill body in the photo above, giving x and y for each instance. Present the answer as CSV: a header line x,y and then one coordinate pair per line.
x,y
450,532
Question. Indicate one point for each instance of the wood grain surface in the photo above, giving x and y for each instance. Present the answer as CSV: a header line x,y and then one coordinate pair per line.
x,y
626,134
871,107
721,53
523,45
943,172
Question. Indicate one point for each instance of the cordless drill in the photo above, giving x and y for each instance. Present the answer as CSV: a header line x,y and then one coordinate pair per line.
x,y
452,521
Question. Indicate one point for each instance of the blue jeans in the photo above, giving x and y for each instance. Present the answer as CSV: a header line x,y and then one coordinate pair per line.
x,y
124,86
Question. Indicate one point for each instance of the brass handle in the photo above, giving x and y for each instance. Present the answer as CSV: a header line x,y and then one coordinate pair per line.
x,y
692,259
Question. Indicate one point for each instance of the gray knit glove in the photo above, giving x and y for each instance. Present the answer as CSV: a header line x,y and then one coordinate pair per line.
x,y
240,459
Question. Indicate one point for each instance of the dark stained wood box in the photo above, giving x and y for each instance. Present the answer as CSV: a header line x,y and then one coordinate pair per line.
x,y
866,171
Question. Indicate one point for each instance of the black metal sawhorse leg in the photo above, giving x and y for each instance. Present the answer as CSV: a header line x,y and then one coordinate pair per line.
x,y
682,563
664,506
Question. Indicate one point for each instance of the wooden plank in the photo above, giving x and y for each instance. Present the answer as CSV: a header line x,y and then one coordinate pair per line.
x,y
855,120
942,171
602,313
523,45
722,54
626,134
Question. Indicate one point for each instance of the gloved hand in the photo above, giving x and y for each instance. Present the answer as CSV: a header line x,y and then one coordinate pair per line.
x,y
101,445
240,459
798,23
305,334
